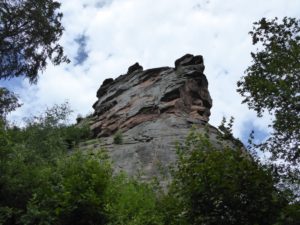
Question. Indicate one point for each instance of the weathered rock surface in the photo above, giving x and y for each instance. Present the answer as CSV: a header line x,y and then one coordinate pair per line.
x,y
140,96
153,109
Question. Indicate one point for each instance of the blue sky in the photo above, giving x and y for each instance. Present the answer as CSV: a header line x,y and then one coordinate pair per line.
x,y
104,37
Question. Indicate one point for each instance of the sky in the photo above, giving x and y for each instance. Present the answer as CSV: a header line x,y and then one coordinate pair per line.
x,y
104,37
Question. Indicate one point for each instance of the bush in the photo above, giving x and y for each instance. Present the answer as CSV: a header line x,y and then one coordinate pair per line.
x,y
221,186
290,215
40,182
118,138
132,203
73,134
74,193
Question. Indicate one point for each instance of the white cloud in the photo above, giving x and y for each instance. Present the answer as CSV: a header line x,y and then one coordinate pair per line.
x,y
156,33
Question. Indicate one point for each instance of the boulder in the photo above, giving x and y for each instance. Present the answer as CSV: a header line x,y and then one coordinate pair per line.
x,y
135,67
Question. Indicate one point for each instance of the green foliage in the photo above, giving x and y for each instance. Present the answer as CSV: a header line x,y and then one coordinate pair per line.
x,y
132,203
221,186
74,134
50,131
226,132
43,182
47,135
34,159
290,215
3,136
227,128
74,193
29,35
118,138
172,208
67,191
272,84
8,102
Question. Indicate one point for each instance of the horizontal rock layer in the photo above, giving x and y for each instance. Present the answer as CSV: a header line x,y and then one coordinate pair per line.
x,y
141,96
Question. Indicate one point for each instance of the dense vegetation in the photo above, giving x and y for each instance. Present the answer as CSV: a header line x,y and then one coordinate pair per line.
x,y
45,179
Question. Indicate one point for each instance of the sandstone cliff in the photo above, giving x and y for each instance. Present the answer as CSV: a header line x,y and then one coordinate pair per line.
x,y
153,109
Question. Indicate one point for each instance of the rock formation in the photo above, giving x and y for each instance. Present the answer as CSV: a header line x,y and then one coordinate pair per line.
x,y
153,109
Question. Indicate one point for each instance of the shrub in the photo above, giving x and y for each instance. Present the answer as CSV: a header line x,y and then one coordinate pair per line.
x,y
132,203
118,138
73,134
40,182
74,194
221,186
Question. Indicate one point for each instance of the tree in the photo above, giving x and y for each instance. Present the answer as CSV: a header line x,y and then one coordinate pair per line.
x,y
8,102
221,186
41,182
272,83
29,35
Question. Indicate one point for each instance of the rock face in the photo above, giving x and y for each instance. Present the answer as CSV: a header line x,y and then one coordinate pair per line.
x,y
153,109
